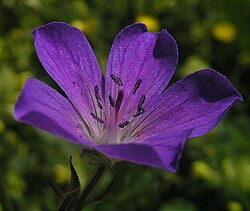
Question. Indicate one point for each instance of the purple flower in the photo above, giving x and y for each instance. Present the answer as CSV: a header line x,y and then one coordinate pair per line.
x,y
128,115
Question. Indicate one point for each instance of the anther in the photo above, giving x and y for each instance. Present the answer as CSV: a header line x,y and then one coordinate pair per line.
x,y
98,97
122,125
117,80
111,101
99,103
97,118
139,112
137,84
142,100
119,100
96,89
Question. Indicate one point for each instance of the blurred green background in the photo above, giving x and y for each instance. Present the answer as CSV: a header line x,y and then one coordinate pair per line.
x,y
214,171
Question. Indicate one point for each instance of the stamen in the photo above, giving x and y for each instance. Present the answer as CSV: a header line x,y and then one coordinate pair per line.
x,y
138,82
118,103
122,125
119,100
139,112
97,118
111,101
99,103
142,100
96,89
98,99
117,80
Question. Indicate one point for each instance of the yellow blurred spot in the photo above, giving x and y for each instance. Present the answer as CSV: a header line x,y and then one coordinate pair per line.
x,y
234,206
202,170
61,173
151,22
86,26
224,32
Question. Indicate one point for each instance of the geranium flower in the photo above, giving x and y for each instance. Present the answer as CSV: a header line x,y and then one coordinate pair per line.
x,y
128,115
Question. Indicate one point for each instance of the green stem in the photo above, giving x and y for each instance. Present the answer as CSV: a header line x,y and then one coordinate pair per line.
x,y
90,187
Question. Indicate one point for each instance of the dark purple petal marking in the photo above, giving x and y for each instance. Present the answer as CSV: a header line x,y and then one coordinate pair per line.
x,y
117,80
137,85
142,100
141,111
98,99
122,125
97,118
111,101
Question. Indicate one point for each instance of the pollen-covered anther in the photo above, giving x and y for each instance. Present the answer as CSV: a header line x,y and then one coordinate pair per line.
x,y
117,80
97,118
122,125
137,84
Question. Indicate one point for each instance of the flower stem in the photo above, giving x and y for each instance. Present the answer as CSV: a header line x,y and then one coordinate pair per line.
x,y
90,187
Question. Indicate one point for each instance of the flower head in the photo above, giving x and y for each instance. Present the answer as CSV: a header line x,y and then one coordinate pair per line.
x,y
127,115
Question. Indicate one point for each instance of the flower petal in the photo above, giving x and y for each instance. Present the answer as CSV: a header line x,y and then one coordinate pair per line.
x,y
197,102
137,54
43,107
161,151
68,58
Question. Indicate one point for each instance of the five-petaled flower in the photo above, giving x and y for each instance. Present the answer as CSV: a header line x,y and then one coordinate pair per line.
x,y
128,115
